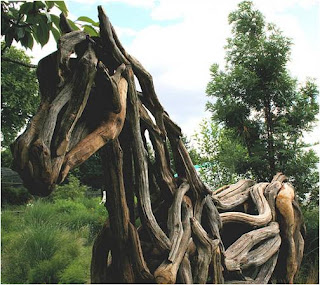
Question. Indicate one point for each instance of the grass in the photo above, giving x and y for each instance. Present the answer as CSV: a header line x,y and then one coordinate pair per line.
x,y
49,242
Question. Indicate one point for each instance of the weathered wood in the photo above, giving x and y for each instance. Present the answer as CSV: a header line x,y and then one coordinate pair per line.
x,y
166,273
239,250
233,189
261,254
271,193
118,210
266,270
138,260
100,251
264,216
214,219
205,248
288,224
174,220
108,130
217,268
185,271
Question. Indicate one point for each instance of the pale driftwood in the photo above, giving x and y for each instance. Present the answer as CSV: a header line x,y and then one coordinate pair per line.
x,y
205,247
185,270
217,268
233,189
271,193
264,216
174,220
166,273
284,203
240,249
188,233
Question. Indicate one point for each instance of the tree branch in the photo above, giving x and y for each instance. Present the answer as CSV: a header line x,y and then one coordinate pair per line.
x,y
29,65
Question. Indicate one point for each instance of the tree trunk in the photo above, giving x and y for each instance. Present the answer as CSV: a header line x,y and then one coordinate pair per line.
x,y
188,233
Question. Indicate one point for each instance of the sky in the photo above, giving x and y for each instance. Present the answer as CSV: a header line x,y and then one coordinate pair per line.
x,y
178,40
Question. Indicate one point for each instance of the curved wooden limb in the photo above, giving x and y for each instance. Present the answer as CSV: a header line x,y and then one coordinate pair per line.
x,y
185,271
271,193
266,270
217,268
262,254
205,247
100,252
236,254
112,159
164,173
141,168
174,220
108,38
232,190
166,273
138,260
214,219
288,224
227,198
66,46
264,216
146,83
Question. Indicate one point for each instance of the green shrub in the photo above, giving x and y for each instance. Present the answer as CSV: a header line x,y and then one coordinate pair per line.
x,y
68,207
14,195
70,191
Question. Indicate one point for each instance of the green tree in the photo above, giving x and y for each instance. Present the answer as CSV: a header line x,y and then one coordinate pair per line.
x,y
258,100
19,95
221,155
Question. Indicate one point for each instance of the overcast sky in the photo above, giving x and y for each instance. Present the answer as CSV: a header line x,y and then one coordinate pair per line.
x,y
178,40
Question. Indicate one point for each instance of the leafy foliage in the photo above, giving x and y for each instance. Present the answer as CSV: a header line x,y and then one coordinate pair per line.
x,y
19,95
71,190
261,104
222,157
27,22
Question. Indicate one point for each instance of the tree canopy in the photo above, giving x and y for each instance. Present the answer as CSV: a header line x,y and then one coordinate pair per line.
x,y
19,95
258,99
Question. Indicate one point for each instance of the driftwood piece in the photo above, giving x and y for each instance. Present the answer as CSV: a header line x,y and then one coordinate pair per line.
x,y
293,243
238,252
205,247
246,232
166,273
264,216
232,196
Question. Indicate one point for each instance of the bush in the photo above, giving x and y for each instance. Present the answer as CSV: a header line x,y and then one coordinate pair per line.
x,y
71,190
14,195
